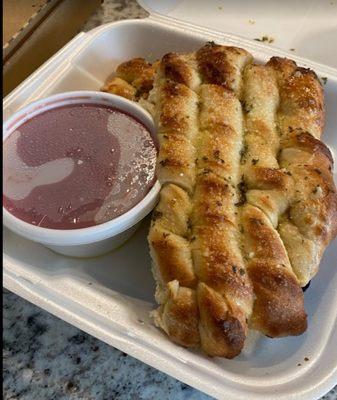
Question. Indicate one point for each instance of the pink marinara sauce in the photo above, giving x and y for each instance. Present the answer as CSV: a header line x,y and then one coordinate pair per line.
x,y
77,166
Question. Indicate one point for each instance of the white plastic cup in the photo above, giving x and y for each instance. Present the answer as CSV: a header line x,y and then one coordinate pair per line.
x,y
94,240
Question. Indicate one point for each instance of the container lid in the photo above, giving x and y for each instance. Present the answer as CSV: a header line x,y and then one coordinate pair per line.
x,y
307,28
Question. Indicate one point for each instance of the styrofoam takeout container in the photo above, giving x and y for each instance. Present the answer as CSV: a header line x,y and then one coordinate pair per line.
x,y
110,296
95,240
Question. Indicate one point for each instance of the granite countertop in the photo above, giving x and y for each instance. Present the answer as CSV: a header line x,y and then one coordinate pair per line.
x,y
46,358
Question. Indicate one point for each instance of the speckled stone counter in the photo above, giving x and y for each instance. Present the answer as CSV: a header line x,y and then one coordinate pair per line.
x,y
46,358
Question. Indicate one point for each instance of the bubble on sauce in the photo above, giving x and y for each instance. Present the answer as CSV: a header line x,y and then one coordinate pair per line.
x,y
109,181
133,193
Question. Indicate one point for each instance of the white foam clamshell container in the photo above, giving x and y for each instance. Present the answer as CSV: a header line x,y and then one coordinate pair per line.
x,y
110,296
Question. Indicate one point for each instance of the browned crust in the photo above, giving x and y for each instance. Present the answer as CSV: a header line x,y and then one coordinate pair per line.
x,y
120,87
175,163
221,65
175,69
180,316
177,127
221,332
211,200
301,96
267,178
261,236
213,150
279,306
260,101
306,142
217,262
172,97
214,66
313,211
304,92
173,210
284,66
219,109
168,237
314,205
139,73
132,69
172,255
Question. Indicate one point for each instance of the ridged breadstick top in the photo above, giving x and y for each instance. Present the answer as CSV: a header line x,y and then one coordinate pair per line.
x,y
248,203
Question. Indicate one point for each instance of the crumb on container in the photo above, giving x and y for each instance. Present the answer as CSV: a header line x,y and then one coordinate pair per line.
x,y
265,39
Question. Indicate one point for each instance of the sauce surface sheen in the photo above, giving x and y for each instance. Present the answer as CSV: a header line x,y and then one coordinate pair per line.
x,y
77,166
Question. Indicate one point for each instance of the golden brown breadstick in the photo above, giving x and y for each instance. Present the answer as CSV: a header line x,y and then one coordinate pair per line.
x,y
310,222
247,204
223,294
